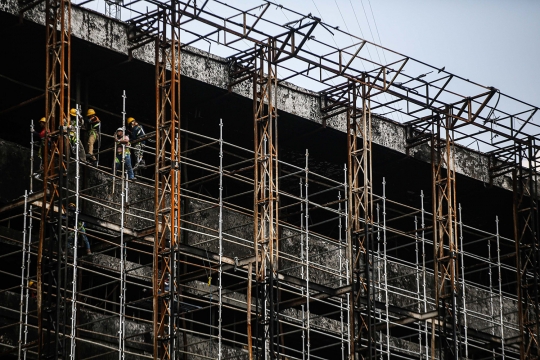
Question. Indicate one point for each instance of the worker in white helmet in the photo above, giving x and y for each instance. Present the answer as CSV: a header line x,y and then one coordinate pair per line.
x,y
122,153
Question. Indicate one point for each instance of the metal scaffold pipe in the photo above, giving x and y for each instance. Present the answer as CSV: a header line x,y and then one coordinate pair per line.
x,y
306,230
465,339
74,268
220,234
123,199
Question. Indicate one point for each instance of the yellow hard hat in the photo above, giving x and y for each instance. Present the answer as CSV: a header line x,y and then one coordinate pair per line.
x,y
30,283
130,120
73,112
72,205
90,112
43,120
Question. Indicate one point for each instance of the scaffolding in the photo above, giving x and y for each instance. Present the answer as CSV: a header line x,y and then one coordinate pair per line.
x,y
264,259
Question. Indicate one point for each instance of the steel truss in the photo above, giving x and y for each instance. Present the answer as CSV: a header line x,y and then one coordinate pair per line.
x,y
266,211
360,222
520,160
445,239
526,226
167,185
51,262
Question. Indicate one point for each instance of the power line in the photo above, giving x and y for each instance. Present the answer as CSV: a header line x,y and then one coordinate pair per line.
x,y
376,28
374,41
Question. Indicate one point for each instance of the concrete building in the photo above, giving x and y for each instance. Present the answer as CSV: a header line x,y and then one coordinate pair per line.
x,y
382,213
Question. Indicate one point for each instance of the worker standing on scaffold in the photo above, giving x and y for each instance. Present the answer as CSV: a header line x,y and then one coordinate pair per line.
x,y
80,227
137,132
121,142
42,138
72,134
94,134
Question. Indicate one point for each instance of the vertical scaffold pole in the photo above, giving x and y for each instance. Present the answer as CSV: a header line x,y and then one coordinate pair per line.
x,y
306,225
302,269
266,192
74,268
490,274
220,234
501,308
385,270
342,310
424,285
463,288
122,299
24,340
378,266
24,280
167,182
418,292
346,266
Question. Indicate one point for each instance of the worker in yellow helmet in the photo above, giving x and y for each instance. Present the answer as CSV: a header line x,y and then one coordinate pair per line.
x,y
42,135
74,142
94,126
32,287
137,132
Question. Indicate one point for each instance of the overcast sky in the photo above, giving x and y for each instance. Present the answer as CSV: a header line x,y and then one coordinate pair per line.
x,y
492,42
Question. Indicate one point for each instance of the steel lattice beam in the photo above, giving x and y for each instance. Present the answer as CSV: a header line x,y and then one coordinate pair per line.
x,y
51,263
445,238
167,184
360,221
526,226
266,193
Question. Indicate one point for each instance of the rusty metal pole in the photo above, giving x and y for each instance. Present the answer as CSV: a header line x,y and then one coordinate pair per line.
x,y
526,226
445,245
360,221
167,184
57,95
266,190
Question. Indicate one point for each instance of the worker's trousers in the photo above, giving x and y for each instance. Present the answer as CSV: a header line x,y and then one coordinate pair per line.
x,y
91,141
82,233
117,165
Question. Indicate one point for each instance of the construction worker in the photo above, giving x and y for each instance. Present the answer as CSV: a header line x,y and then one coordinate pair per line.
x,y
41,134
122,152
94,134
72,134
32,287
137,132
80,227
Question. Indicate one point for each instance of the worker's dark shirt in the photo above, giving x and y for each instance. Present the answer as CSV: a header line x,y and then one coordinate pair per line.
x,y
137,132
